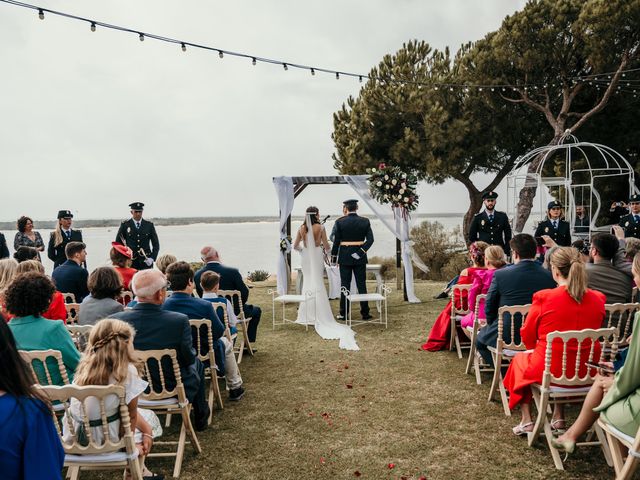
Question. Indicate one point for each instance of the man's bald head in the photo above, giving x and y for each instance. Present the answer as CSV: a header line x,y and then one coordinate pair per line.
x,y
209,254
146,284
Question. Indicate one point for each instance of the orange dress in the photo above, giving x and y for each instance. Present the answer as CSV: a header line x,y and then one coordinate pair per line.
x,y
552,310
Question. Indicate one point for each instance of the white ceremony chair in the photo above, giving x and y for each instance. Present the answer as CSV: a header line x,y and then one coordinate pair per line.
x,y
456,313
114,453
44,365
163,400
303,301
125,297
223,315
380,296
73,313
69,297
475,360
504,351
620,316
562,389
617,441
235,297
206,338
80,335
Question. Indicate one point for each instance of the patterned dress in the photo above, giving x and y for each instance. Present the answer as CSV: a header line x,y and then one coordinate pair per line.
x,y
21,239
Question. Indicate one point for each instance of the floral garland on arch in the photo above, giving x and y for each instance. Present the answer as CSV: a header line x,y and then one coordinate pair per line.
x,y
390,185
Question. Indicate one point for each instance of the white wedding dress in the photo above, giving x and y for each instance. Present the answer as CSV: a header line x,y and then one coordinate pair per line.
x,y
316,310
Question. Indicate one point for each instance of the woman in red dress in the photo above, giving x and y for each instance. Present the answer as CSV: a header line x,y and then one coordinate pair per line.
x,y
569,306
121,258
440,332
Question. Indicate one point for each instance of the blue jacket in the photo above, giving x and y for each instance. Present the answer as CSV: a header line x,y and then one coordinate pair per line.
x,y
71,278
230,279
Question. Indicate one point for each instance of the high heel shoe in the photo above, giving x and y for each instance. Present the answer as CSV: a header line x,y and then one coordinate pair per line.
x,y
568,446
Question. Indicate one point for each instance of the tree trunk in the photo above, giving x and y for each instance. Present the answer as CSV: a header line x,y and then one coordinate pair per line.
x,y
475,204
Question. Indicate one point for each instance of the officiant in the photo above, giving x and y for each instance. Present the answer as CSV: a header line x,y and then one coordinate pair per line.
x,y
140,236
353,237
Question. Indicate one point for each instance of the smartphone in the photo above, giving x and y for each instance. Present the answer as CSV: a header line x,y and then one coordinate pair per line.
x,y
540,241
601,366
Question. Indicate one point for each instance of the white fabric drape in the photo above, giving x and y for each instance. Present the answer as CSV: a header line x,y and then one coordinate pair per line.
x,y
284,188
397,224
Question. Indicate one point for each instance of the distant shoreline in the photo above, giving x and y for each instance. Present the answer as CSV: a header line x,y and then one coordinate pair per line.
x,y
111,222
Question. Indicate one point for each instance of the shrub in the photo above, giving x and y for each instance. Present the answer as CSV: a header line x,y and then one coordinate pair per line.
x,y
387,267
441,250
258,276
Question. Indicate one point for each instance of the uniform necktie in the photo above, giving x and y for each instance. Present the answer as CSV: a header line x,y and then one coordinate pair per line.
x,y
636,218
491,217
68,234
138,225
555,224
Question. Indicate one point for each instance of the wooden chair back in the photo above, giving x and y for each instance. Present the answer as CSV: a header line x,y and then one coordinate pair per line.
x,y
125,297
201,332
235,297
620,316
472,361
582,375
46,366
73,312
69,297
162,371
80,335
460,292
223,314
516,314
634,295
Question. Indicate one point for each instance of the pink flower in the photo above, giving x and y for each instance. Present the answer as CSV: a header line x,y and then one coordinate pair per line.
x,y
382,165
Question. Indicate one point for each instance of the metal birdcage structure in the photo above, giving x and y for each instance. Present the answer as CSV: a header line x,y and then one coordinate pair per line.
x,y
574,173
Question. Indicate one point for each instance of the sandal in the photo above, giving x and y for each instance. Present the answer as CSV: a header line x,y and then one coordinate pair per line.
x,y
558,425
522,429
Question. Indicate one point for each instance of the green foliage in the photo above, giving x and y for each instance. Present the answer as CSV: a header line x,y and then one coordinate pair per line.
x,y
258,276
437,248
387,267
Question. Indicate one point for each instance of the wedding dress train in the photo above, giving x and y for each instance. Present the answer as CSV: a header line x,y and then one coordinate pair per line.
x,y
316,310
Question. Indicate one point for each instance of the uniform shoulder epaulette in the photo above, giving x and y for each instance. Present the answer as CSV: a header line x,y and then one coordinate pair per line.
x,y
478,214
124,221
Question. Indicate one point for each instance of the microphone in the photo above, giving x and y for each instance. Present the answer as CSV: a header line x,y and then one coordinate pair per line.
x,y
325,219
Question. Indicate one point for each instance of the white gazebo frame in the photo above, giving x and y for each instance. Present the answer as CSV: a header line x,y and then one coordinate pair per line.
x,y
602,162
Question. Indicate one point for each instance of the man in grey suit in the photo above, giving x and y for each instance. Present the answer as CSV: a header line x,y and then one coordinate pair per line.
x,y
512,285
609,273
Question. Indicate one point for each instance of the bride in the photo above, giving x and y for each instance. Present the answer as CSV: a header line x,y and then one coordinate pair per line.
x,y
310,240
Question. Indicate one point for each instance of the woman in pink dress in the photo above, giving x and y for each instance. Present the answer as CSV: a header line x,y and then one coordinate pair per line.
x,y
494,258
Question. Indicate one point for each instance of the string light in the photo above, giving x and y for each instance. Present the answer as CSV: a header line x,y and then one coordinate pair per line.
x,y
600,80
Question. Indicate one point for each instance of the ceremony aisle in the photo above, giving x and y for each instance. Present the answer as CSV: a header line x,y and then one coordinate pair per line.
x,y
313,411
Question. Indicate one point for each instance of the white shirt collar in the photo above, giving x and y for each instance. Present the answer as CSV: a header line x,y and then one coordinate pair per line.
x,y
209,295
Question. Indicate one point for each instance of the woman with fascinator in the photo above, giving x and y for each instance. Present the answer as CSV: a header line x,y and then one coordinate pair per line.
x,y
311,241
440,332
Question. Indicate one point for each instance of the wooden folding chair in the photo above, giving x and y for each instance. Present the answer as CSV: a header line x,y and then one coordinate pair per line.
x,y
634,294
504,351
168,401
463,309
235,298
208,357
475,360
46,366
616,440
223,315
69,297
125,297
73,312
80,335
114,453
563,389
620,316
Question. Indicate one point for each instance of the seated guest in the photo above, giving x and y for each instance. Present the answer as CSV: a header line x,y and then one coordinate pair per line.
x,y
609,273
23,253
210,283
513,285
4,250
180,275
631,247
70,277
230,279
8,267
27,236
105,285
494,258
440,333
616,398
56,310
28,297
111,360
164,261
569,306
122,258
157,329
30,448
583,247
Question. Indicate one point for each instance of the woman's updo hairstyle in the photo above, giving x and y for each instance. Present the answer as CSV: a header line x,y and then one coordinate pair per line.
x,y
476,250
494,256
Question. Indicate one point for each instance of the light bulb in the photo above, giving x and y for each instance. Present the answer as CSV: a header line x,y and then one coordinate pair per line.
x,y
253,61
141,37
41,14
93,26
184,47
220,53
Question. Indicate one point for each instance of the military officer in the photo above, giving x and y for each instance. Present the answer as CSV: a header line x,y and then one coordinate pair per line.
x,y
559,230
61,235
353,237
140,236
631,222
491,226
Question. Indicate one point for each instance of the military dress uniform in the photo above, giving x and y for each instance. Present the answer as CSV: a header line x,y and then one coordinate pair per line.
x,y
56,252
353,237
631,222
491,227
560,233
142,239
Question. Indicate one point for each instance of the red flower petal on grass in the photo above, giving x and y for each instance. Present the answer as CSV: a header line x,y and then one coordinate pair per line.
x,y
346,366
357,473
422,477
322,460
349,385
391,465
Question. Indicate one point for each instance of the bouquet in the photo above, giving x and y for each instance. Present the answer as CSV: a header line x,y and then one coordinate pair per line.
x,y
390,185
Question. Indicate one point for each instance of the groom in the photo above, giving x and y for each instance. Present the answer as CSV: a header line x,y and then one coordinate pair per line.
x,y
353,237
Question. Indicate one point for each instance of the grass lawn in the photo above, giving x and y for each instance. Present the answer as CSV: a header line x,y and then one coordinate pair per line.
x,y
386,411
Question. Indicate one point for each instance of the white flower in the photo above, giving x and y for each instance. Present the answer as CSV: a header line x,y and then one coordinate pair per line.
x,y
373,169
387,187
404,175
406,199
403,185
386,177
394,181
401,191
379,184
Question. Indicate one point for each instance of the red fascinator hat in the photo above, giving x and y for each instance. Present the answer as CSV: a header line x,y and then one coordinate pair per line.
x,y
123,249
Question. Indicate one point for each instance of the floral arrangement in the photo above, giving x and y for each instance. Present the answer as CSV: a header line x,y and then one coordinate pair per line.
x,y
392,185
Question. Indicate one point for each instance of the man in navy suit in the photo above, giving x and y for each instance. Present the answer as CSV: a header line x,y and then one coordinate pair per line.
x,y
71,277
352,239
157,329
230,279
180,276
59,238
512,285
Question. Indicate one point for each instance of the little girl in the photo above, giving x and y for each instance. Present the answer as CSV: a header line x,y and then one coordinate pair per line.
x,y
110,359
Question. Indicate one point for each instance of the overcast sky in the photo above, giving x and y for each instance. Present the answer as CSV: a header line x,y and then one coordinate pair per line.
x,y
94,121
